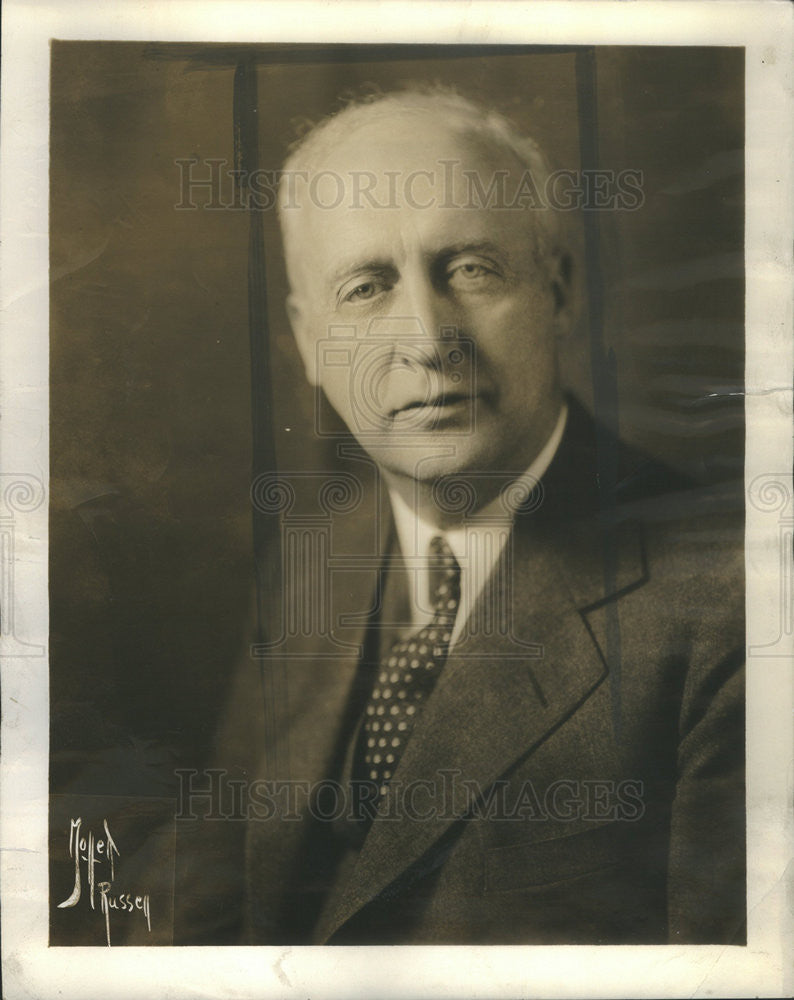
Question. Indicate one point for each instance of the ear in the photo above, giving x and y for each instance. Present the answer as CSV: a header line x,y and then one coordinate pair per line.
x,y
305,344
562,285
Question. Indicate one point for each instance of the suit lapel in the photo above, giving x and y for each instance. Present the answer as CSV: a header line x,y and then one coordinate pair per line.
x,y
496,700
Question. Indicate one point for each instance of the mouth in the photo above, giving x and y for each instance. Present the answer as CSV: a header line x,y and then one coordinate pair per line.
x,y
436,404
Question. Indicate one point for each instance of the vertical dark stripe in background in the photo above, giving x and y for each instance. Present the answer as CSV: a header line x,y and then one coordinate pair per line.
x,y
266,527
603,368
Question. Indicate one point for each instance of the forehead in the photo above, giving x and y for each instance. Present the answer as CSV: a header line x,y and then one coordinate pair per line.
x,y
402,179
408,139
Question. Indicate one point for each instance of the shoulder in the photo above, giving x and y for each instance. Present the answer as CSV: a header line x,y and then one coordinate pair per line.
x,y
626,530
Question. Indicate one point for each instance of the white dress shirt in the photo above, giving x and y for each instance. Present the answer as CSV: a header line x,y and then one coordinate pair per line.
x,y
477,541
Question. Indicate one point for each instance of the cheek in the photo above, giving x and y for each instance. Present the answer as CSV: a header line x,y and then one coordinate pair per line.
x,y
335,382
513,328
335,357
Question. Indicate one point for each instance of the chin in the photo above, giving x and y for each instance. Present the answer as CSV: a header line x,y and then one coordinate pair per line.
x,y
429,462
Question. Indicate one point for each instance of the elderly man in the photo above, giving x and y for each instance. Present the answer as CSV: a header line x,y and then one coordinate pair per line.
x,y
527,694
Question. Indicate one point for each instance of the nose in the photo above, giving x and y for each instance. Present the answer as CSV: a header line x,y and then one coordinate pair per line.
x,y
430,320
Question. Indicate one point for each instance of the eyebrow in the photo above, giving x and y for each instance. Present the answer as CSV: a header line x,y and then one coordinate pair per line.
x,y
357,265
467,246
350,268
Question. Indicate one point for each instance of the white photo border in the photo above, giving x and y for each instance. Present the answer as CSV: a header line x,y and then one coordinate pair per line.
x,y
30,967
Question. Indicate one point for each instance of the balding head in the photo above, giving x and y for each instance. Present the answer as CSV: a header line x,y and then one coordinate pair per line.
x,y
311,175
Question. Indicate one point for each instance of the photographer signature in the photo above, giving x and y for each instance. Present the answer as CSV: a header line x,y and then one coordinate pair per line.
x,y
96,852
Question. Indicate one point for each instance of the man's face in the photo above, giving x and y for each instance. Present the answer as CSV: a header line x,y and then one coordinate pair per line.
x,y
431,330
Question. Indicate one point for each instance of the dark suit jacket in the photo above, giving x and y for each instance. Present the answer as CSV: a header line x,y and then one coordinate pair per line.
x,y
593,752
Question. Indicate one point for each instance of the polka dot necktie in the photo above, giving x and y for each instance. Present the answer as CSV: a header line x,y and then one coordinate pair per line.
x,y
409,671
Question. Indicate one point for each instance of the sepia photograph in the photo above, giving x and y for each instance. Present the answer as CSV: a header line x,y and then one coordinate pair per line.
x,y
396,561
408,524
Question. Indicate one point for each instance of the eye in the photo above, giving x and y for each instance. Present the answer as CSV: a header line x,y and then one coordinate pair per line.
x,y
363,291
472,270
358,291
465,274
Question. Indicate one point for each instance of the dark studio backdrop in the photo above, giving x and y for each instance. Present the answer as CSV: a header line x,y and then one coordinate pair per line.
x,y
151,563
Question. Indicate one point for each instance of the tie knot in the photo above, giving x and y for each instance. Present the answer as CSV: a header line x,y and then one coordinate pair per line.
x,y
444,578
